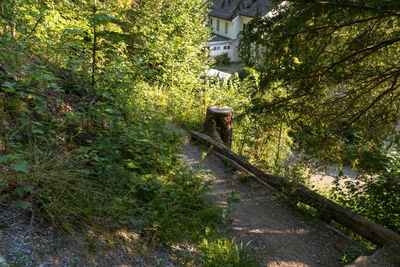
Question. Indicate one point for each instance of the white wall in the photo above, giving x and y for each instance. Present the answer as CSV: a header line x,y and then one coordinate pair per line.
x,y
235,54
232,51
221,50
221,30
234,28
245,20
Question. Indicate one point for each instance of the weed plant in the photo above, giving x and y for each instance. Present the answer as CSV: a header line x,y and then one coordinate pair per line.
x,y
96,159
101,159
222,252
123,175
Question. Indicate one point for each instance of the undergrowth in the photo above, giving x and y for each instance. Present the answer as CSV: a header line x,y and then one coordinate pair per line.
x,y
223,252
118,172
98,155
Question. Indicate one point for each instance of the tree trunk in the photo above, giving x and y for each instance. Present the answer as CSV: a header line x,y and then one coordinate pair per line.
x,y
219,124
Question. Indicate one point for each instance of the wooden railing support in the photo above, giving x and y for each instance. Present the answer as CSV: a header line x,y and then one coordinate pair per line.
x,y
363,226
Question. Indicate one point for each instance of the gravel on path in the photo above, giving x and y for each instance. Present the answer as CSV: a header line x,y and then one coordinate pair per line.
x,y
274,232
25,242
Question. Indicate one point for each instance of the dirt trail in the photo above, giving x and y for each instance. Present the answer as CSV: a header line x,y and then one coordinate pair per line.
x,y
278,235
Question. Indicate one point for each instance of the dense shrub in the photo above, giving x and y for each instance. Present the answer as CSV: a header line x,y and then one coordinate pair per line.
x,y
81,142
222,59
376,198
243,73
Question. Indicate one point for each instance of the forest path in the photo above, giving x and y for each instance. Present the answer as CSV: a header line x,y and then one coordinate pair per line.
x,y
278,235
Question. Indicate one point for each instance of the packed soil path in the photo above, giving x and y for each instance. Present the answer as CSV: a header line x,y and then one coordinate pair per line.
x,y
277,234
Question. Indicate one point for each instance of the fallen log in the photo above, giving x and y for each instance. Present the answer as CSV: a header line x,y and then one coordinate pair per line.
x,y
363,226
237,166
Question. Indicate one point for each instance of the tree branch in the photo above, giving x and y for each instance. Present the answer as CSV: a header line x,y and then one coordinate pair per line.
x,y
341,25
34,27
368,49
376,100
351,5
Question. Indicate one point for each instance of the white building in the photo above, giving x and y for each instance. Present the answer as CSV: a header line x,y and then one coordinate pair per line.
x,y
228,18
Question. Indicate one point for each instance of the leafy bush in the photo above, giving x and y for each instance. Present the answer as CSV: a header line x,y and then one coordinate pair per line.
x,y
372,157
83,141
376,198
93,151
126,173
222,59
243,73
350,254
224,252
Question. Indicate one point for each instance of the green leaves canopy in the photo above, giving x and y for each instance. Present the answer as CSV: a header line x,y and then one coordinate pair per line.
x,y
336,65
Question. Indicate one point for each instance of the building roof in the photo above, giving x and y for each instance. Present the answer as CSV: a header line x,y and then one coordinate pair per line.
x,y
229,9
218,38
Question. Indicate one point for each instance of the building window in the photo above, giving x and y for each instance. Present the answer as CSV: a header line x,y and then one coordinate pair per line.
x,y
217,48
244,26
227,47
211,21
217,24
226,27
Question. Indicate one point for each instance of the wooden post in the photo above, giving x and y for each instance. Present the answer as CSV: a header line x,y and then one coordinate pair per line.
x,y
219,124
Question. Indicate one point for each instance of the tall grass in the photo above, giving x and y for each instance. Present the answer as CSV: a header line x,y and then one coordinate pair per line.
x,y
223,252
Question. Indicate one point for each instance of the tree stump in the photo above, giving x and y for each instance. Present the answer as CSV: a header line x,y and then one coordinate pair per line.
x,y
219,124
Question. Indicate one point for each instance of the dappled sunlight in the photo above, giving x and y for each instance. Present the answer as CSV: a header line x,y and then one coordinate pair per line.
x,y
270,231
101,163
279,235
127,236
287,264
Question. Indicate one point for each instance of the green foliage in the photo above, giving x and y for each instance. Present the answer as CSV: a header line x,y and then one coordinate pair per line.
x,y
188,105
260,138
328,74
371,247
375,159
126,173
244,177
179,28
81,141
350,254
224,252
299,173
222,59
395,258
334,63
376,198
21,167
22,204
225,212
244,73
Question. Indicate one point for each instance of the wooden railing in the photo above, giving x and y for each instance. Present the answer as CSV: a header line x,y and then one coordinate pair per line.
x,y
330,210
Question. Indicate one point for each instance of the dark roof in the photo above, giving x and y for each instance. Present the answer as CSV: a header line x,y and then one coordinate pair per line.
x,y
218,38
229,9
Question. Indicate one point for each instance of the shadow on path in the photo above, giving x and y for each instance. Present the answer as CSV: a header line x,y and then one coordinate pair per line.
x,y
277,234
